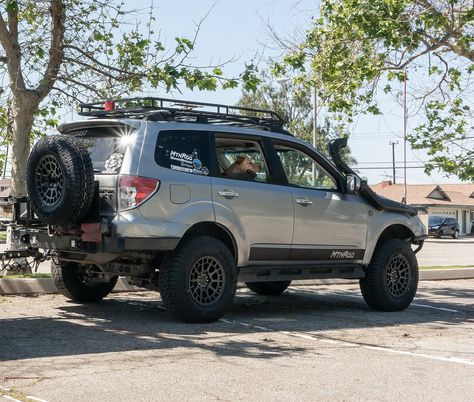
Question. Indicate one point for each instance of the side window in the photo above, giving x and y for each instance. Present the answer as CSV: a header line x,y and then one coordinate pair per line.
x,y
184,151
240,159
302,171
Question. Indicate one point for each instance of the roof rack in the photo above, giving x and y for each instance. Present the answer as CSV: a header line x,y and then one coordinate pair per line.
x,y
163,109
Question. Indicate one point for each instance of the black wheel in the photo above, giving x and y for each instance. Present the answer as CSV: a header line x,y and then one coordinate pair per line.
x,y
80,282
60,180
439,234
456,234
268,288
199,281
391,278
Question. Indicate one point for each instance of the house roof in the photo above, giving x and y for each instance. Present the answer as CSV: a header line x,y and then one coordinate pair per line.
x,y
429,194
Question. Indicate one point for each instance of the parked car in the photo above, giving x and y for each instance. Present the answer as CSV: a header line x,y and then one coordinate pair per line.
x,y
151,191
439,226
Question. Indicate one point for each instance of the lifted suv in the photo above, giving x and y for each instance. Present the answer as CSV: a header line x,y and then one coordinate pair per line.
x,y
147,191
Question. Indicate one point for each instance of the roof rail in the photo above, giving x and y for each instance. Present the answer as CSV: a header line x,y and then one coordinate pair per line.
x,y
164,109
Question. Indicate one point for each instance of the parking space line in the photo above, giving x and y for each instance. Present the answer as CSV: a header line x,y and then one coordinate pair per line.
x,y
449,310
10,398
321,339
34,398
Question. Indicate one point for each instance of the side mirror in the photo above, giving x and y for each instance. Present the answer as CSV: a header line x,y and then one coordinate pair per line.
x,y
353,183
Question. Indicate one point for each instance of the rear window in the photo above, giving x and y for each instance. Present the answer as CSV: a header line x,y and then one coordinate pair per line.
x,y
183,151
106,147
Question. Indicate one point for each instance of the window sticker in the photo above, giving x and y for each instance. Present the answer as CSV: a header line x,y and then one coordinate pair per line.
x,y
181,168
205,171
197,164
185,162
114,163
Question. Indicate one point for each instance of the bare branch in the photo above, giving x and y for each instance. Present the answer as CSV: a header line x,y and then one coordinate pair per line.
x,y
12,51
81,84
58,17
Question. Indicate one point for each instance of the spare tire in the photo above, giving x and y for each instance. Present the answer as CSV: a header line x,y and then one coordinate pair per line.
x,y
60,180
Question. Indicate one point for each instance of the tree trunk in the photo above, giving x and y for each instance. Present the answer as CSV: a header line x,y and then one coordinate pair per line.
x,y
23,115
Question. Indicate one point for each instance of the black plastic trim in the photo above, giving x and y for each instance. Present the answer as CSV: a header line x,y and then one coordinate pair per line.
x,y
259,273
296,253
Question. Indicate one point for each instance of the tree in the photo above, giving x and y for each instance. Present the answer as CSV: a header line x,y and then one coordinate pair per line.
x,y
59,52
292,101
357,47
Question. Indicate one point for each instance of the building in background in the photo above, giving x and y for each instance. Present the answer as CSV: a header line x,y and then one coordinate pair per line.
x,y
449,200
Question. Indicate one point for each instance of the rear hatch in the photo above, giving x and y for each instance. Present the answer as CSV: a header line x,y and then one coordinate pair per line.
x,y
109,145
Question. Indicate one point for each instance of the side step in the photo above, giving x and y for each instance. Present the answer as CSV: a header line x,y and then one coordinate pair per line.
x,y
259,273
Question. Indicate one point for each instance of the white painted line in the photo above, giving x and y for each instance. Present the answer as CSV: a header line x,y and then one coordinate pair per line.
x,y
358,345
5,388
435,308
34,398
432,357
11,398
360,297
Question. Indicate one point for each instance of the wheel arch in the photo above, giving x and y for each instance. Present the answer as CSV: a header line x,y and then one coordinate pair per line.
x,y
394,231
214,230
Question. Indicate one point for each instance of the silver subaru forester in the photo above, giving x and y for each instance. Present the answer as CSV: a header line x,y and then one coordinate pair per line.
x,y
189,198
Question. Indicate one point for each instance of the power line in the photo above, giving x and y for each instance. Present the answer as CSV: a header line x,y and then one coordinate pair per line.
x,y
387,167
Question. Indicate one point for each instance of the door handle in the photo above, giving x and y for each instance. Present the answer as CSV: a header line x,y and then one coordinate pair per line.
x,y
228,193
303,201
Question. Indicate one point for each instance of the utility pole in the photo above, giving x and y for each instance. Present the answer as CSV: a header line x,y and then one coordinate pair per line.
x,y
393,159
315,116
405,134
315,126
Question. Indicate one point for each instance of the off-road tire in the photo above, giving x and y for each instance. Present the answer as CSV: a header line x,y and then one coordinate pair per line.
x,y
180,286
456,234
71,283
268,288
60,180
391,278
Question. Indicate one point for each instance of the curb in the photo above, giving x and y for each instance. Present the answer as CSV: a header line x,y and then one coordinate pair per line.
x,y
45,285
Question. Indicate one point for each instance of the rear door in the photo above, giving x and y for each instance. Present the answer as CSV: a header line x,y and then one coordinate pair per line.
x,y
112,148
258,211
329,224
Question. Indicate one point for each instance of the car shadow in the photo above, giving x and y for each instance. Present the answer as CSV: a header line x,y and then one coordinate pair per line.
x,y
138,321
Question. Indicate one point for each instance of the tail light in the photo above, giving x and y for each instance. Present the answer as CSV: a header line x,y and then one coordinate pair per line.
x,y
135,190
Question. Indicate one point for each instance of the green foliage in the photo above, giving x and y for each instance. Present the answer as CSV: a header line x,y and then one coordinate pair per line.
x,y
103,56
293,102
355,44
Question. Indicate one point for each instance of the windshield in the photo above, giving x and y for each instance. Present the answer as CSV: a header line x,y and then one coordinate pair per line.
x,y
435,220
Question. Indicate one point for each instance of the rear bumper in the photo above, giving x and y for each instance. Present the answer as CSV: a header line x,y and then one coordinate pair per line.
x,y
112,245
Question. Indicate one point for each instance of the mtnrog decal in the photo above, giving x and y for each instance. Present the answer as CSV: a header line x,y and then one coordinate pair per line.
x,y
113,164
346,255
184,162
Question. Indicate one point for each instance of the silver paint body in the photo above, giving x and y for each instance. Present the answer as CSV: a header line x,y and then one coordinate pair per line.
x,y
262,215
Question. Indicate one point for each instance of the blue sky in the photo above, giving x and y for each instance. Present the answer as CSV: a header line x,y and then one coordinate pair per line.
x,y
236,30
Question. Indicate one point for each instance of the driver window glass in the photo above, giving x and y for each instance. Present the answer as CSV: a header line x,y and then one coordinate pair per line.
x,y
241,160
303,171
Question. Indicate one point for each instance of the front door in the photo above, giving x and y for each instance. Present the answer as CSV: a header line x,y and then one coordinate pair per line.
x,y
329,224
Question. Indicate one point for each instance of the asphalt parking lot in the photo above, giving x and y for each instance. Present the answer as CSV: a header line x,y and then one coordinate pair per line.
x,y
313,342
